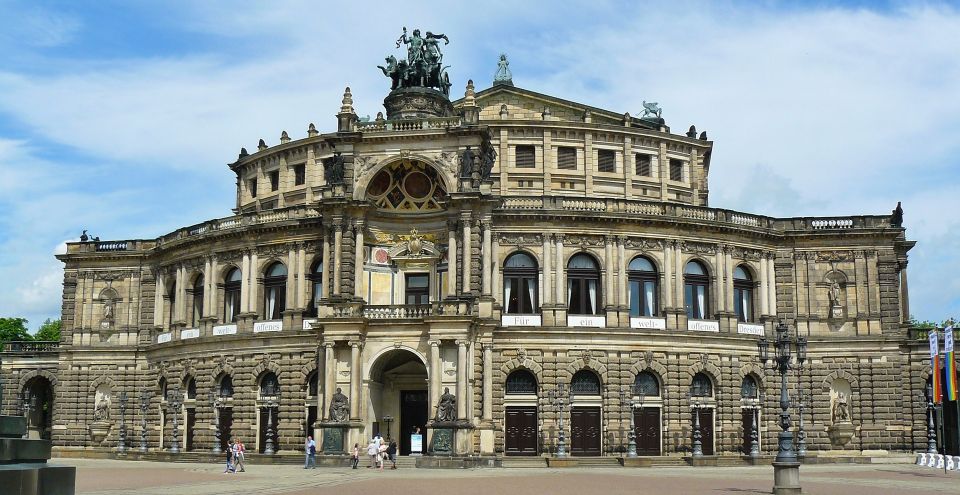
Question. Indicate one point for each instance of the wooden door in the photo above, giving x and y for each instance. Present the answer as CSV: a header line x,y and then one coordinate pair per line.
x,y
191,422
226,426
413,415
748,417
646,423
706,430
520,436
585,431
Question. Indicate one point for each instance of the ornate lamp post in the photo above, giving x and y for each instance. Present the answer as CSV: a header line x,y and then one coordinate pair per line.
x,y
26,407
931,429
388,419
175,402
270,434
626,402
695,404
755,429
786,467
144,405
122,436
558,397
801,434
214,399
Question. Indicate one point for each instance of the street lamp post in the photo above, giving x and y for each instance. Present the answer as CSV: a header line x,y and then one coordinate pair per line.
x,y
144,405
270,434
697,436
626,401
931,429
214,399
174,402
786,466
388,419
26,408
122,437
755,429
558,397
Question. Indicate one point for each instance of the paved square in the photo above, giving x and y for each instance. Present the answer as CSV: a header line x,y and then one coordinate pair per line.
x,y
103,477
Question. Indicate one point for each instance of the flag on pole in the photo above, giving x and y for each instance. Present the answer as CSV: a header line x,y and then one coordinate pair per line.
x,y
935,365
949,366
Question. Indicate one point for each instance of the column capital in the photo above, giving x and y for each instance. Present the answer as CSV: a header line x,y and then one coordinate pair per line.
x,y
559,238
355,343
434,343
328,344
453,225
461,342
621,239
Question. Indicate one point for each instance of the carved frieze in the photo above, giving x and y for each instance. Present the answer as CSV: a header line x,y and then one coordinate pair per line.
x,y
584,241
698,247
834,256
742,253
520,239
643,244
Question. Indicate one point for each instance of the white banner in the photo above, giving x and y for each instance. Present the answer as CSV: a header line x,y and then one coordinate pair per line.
x,y
268,326
948,339
163,338
189,333
650,323
934,343
224,329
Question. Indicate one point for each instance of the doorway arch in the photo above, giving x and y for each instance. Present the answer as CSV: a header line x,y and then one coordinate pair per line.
x,y
38,392
399,396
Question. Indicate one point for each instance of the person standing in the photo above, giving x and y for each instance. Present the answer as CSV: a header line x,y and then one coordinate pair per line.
x,y
356,455
392,453
229,451
238,451
310,449
372,453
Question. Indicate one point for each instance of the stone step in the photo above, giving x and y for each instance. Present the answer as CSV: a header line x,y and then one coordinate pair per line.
x,y
524,462
598,461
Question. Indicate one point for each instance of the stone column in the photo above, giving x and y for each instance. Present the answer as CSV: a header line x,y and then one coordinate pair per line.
x,y
471,378
355,379
461,379
321,381
608,264
487,382
301,277
487,247
179,304
728,279
668,275
560,279
207,275
358,261
157,302
678,274
452,259
772,286
337,257
213,288
467,261
720,274
904,294
244,282
547,278
434,375
495,270
252,284
622,261
764,291
329,377
325,269
292,269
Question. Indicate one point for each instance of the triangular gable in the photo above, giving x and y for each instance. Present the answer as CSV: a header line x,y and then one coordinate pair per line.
x,y
523,104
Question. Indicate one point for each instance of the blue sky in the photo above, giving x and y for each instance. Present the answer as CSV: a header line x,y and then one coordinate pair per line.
x,y
119,117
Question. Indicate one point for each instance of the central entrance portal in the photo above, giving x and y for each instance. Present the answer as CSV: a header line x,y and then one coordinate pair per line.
x,y
398,397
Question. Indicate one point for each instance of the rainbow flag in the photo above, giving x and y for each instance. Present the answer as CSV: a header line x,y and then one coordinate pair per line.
x,y
935,366
950,366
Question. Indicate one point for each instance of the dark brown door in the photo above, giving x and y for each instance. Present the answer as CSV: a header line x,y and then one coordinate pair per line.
x,y
413,415
191,423
706,430
226,426
748,417
585,431
646,422
311,419
521,431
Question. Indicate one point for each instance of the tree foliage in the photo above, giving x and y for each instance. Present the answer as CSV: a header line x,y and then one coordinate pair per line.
x,y
50,330
14,329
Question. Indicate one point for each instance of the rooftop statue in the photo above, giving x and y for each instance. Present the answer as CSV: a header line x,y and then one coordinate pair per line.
x,y
652,108
503,75
423,67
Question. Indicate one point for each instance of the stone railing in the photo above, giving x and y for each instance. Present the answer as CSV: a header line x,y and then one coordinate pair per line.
x,y
389,312
407,125
688,212
31,346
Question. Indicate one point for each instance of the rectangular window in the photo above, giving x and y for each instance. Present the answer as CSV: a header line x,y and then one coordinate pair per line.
x,y
274,180
606,161
253,188
526,156
676,170
418,289
567,158
300,174
643,165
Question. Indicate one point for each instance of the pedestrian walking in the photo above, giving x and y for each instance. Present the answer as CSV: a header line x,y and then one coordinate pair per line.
x,y
238,456
229,468
372,453
310,449
381,456
356,455
392,453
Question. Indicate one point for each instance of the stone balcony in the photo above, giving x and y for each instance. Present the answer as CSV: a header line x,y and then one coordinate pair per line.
x,y
31,347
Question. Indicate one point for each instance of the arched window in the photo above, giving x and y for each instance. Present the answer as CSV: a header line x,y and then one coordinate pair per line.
x,y
583,285
585,382
696,285
646,385
642,277
197,301
269,385
701,386
316,283
520,284
191,388
521,382
313,385
231,296
274,291
749,388
162,385
226,386
743,294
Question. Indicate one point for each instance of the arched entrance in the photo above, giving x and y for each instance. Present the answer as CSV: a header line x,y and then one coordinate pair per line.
x,y
398,397
38,393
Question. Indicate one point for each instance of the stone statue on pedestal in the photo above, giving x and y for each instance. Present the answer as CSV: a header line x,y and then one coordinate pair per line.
x,y
841,409
447,407
339,407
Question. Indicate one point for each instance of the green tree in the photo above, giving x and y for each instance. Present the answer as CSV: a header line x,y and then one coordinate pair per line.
x,y
14,329
50,330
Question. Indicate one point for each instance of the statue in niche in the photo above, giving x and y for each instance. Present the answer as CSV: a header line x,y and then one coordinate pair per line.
x,y
333,169
836,300
447,407
101,409
466,163
488,156
339,407
841,409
